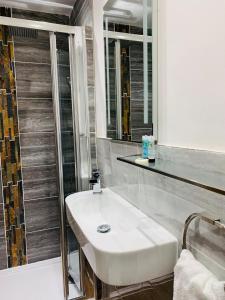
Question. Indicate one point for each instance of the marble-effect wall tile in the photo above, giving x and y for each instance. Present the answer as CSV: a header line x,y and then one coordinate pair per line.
x,y
3,255
42,214
40,182
36,115
206,160
40,16
30,51
38,149
28,59
166,200
2,223
43,245
37,135
33,80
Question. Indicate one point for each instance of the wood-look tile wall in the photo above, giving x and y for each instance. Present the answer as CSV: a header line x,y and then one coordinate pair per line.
x,y
138,128
29,213
37,132
39,195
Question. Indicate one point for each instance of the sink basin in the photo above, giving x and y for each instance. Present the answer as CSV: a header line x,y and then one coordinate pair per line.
x,y
135,249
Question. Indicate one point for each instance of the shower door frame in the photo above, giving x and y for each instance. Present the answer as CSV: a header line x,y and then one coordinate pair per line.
x,y
76,36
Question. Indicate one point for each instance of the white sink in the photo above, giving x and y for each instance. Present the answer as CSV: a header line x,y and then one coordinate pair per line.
x,y
137,249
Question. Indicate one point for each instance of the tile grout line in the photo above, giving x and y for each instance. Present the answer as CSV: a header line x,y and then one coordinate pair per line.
x,y
41,230
50,165
42,198
31,63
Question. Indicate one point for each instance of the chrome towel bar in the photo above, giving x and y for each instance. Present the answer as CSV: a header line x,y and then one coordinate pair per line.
x,y
202,217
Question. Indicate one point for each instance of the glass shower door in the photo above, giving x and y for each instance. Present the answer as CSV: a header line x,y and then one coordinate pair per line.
x,y
68,156
65,100
69,67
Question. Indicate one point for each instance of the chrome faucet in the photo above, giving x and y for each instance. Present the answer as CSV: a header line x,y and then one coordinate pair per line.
x,y
96,182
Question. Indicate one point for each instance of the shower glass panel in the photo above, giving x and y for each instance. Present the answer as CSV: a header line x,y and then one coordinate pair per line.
x,y
39,93
68,156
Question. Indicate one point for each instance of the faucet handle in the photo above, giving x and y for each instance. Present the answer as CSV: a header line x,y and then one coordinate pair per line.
x,y
95,181
95,174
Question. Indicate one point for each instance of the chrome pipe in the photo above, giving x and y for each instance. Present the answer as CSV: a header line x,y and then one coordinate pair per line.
x,y
76,132
55,94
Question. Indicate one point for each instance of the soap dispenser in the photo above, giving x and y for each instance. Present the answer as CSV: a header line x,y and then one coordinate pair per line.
x,y
145,146
151,149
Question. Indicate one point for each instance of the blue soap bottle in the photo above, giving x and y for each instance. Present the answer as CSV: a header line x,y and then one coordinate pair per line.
x,y
145,146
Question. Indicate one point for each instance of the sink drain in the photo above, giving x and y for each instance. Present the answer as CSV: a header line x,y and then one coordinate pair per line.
x,y
104,228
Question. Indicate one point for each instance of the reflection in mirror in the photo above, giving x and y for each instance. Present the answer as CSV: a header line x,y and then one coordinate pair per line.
x,y
128,68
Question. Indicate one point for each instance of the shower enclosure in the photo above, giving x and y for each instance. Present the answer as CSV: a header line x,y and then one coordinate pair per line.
x,y
68,78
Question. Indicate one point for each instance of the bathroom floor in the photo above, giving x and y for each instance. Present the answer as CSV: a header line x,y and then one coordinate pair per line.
x,y
38,281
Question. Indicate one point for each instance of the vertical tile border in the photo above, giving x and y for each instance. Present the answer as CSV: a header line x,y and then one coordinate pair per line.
x,y
10,155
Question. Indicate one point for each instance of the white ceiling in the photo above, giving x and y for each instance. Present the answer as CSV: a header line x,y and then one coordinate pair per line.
x,y
62,7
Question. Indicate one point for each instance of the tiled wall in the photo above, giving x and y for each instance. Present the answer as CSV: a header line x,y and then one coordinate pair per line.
x,y
39,16
167,200
12,231
30,230
91,94
3,249
37,132
138,128
37,143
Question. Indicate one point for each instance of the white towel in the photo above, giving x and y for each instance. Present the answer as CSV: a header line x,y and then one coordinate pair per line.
x,y
194,282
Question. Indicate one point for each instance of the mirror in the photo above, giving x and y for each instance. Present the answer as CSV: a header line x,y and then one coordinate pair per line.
x,y
128,68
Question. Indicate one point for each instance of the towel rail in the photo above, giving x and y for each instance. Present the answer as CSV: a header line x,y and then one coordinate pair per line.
x,y
212,221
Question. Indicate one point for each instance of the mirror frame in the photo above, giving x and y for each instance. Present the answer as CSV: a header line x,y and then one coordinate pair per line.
x,y
154,73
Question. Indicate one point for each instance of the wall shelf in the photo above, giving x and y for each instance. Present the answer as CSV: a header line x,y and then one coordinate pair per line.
x,y
212,181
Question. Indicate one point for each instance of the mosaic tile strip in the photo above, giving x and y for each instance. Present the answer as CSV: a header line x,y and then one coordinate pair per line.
x,y
10,155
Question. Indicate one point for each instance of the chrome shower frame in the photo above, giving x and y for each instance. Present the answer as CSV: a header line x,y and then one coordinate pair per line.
x,y
78,73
